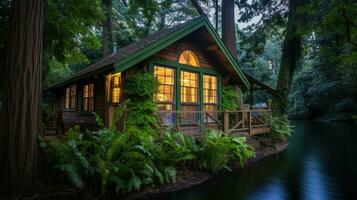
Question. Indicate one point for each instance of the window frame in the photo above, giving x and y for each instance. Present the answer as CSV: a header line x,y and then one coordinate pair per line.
x,y
217,93
194,55
112,89
173,103
70,97
90,99
199,70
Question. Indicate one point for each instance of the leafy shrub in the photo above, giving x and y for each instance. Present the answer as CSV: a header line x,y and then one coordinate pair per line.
x,y
71,157
141,118
280,127
120,161
217,150
178,149
229,98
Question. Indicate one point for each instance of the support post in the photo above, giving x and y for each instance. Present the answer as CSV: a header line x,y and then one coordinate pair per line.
x,y
226,122
249,123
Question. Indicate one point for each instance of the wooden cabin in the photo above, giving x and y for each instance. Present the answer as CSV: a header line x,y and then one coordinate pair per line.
x,y
192,65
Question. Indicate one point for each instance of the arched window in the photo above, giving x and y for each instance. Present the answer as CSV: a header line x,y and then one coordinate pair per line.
x,y
189,58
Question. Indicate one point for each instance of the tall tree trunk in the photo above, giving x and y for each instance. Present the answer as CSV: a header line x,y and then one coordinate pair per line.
x,y
228,26
289,61
107,26
198,7
216,14
21,115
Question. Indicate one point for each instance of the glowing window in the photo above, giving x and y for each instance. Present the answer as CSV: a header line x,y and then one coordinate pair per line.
x,y
189,87
166,77
165,96
209,89
116,87
210,97
189,58
88,98
71,97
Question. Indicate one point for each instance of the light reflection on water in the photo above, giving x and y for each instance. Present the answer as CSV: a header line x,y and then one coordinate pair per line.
x,y
319,164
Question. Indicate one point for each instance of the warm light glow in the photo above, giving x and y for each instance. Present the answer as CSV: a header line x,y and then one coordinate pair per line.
x,y
209,89
189,58
88,97
71,97
189,87
116,87
166,78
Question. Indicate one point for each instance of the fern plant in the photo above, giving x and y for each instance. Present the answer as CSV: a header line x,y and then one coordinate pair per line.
x,y
229,98
217,150
280,127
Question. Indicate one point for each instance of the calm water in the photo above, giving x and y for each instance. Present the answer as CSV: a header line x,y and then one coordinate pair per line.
x,y
320,163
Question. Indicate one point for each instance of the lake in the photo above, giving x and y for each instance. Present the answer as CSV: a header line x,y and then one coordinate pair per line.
x,y
320,163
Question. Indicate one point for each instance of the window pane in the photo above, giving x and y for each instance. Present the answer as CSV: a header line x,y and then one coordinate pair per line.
x,y
209,89
116,85
91,90
85,91
85,104
73,101
189,89
210,116
68,93
188,58
189,116
166,115
166,78
88,97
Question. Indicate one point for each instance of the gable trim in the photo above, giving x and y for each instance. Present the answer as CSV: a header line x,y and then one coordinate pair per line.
x,y
157,46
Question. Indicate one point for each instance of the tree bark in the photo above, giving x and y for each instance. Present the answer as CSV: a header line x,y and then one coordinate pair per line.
x,y
289,61
228,27
198,7
21,115
109,38
216,14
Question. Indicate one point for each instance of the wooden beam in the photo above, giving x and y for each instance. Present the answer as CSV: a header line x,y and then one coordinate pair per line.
x,y
212,48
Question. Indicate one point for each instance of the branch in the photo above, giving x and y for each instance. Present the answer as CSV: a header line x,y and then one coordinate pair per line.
x,y
125,4
198,7
348,27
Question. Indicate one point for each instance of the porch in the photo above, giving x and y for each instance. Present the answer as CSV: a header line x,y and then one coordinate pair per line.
x,y
243,122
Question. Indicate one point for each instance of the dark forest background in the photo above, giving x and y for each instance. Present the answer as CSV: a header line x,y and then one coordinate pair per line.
x,y
324,86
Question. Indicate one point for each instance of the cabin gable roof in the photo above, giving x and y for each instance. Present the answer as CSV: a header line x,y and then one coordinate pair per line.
x,y
138,51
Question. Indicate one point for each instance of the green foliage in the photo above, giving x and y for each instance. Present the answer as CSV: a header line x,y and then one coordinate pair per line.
x,y
178,149
69,31
71,157
217,150
141,118
354,118
229,98
280,127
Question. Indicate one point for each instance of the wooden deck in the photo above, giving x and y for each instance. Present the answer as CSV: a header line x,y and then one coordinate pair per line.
x,y
243,122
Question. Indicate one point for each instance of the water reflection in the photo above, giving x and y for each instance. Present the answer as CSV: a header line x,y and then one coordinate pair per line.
x,y
320,163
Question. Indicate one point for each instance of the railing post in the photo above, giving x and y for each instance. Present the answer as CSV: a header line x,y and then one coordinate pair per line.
x,y
249,122
225,122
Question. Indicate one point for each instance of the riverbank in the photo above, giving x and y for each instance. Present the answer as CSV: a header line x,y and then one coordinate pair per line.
x,y
188,177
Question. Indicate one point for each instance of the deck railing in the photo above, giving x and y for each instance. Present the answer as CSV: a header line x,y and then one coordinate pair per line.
x,y
230,122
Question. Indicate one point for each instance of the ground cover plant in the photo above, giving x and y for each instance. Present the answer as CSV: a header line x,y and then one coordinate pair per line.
x,y
110,161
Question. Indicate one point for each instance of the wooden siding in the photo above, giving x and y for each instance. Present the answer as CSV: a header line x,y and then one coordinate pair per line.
x,y
76,115
172,53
